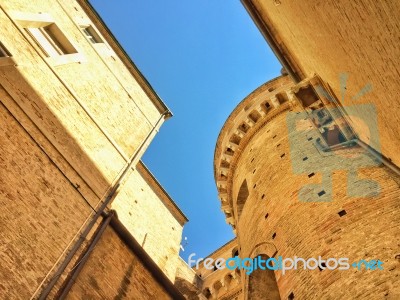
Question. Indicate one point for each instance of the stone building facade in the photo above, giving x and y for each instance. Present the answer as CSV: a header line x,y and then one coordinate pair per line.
x,y
82,216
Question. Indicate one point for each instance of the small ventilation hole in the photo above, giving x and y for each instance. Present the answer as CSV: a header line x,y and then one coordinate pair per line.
x,y
274,136
263,195
309,139
278,145
254,186
282,155
311,175
254,171
305,158
266,216
252,159
342,213
274,235
321,193
322,265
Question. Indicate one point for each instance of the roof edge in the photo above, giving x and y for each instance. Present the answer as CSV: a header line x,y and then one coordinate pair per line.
x,y
127,61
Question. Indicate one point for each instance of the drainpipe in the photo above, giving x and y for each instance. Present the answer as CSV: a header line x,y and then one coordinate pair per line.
x,y
113,221
379,156
76,271
46,291
262,26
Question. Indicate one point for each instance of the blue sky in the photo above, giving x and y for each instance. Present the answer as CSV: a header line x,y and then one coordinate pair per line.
x,y
202,57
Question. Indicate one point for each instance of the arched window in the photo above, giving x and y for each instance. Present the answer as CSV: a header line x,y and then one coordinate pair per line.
x,y
242,197
207,293
262,284
228,280
235,252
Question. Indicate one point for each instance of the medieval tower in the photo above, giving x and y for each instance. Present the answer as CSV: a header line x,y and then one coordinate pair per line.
x,y
295,181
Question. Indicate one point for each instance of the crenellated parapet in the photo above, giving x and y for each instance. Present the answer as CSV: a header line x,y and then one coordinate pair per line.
x,y
259,107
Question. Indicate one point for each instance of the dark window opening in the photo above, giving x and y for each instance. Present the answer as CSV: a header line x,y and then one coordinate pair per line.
x,y
321,193
311,175
305,158
274,235
254,186
322,265
307,95
254,171
242,197
266,216
229,151
263,195
282,155
309,139
274,136
342,213
3,51
92,35
236,253
278,145
291,296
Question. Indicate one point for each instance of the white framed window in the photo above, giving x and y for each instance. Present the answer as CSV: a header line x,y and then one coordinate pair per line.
x,y
51,40
46,36
91,34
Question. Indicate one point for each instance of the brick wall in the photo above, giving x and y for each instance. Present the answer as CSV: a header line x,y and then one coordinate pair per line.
x,y
353,37
113,271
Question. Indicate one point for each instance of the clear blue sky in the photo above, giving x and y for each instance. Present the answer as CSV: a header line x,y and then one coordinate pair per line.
x,y
202,57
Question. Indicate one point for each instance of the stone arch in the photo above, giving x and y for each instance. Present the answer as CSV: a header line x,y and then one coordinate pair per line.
x,y
228,279
262,284
266,248
207,293
242,197
216,287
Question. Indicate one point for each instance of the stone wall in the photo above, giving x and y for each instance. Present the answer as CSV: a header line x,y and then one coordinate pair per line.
x,y
113,271
356,38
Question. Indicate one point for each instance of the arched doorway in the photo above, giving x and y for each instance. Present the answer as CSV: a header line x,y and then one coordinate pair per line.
x,y
262,284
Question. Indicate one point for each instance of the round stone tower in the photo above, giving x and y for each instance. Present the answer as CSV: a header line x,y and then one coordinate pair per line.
x,y
295,181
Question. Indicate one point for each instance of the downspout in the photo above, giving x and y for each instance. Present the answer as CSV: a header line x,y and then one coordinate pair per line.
x,y
113,221
379,156
263,28
76,271
146,259
46,291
